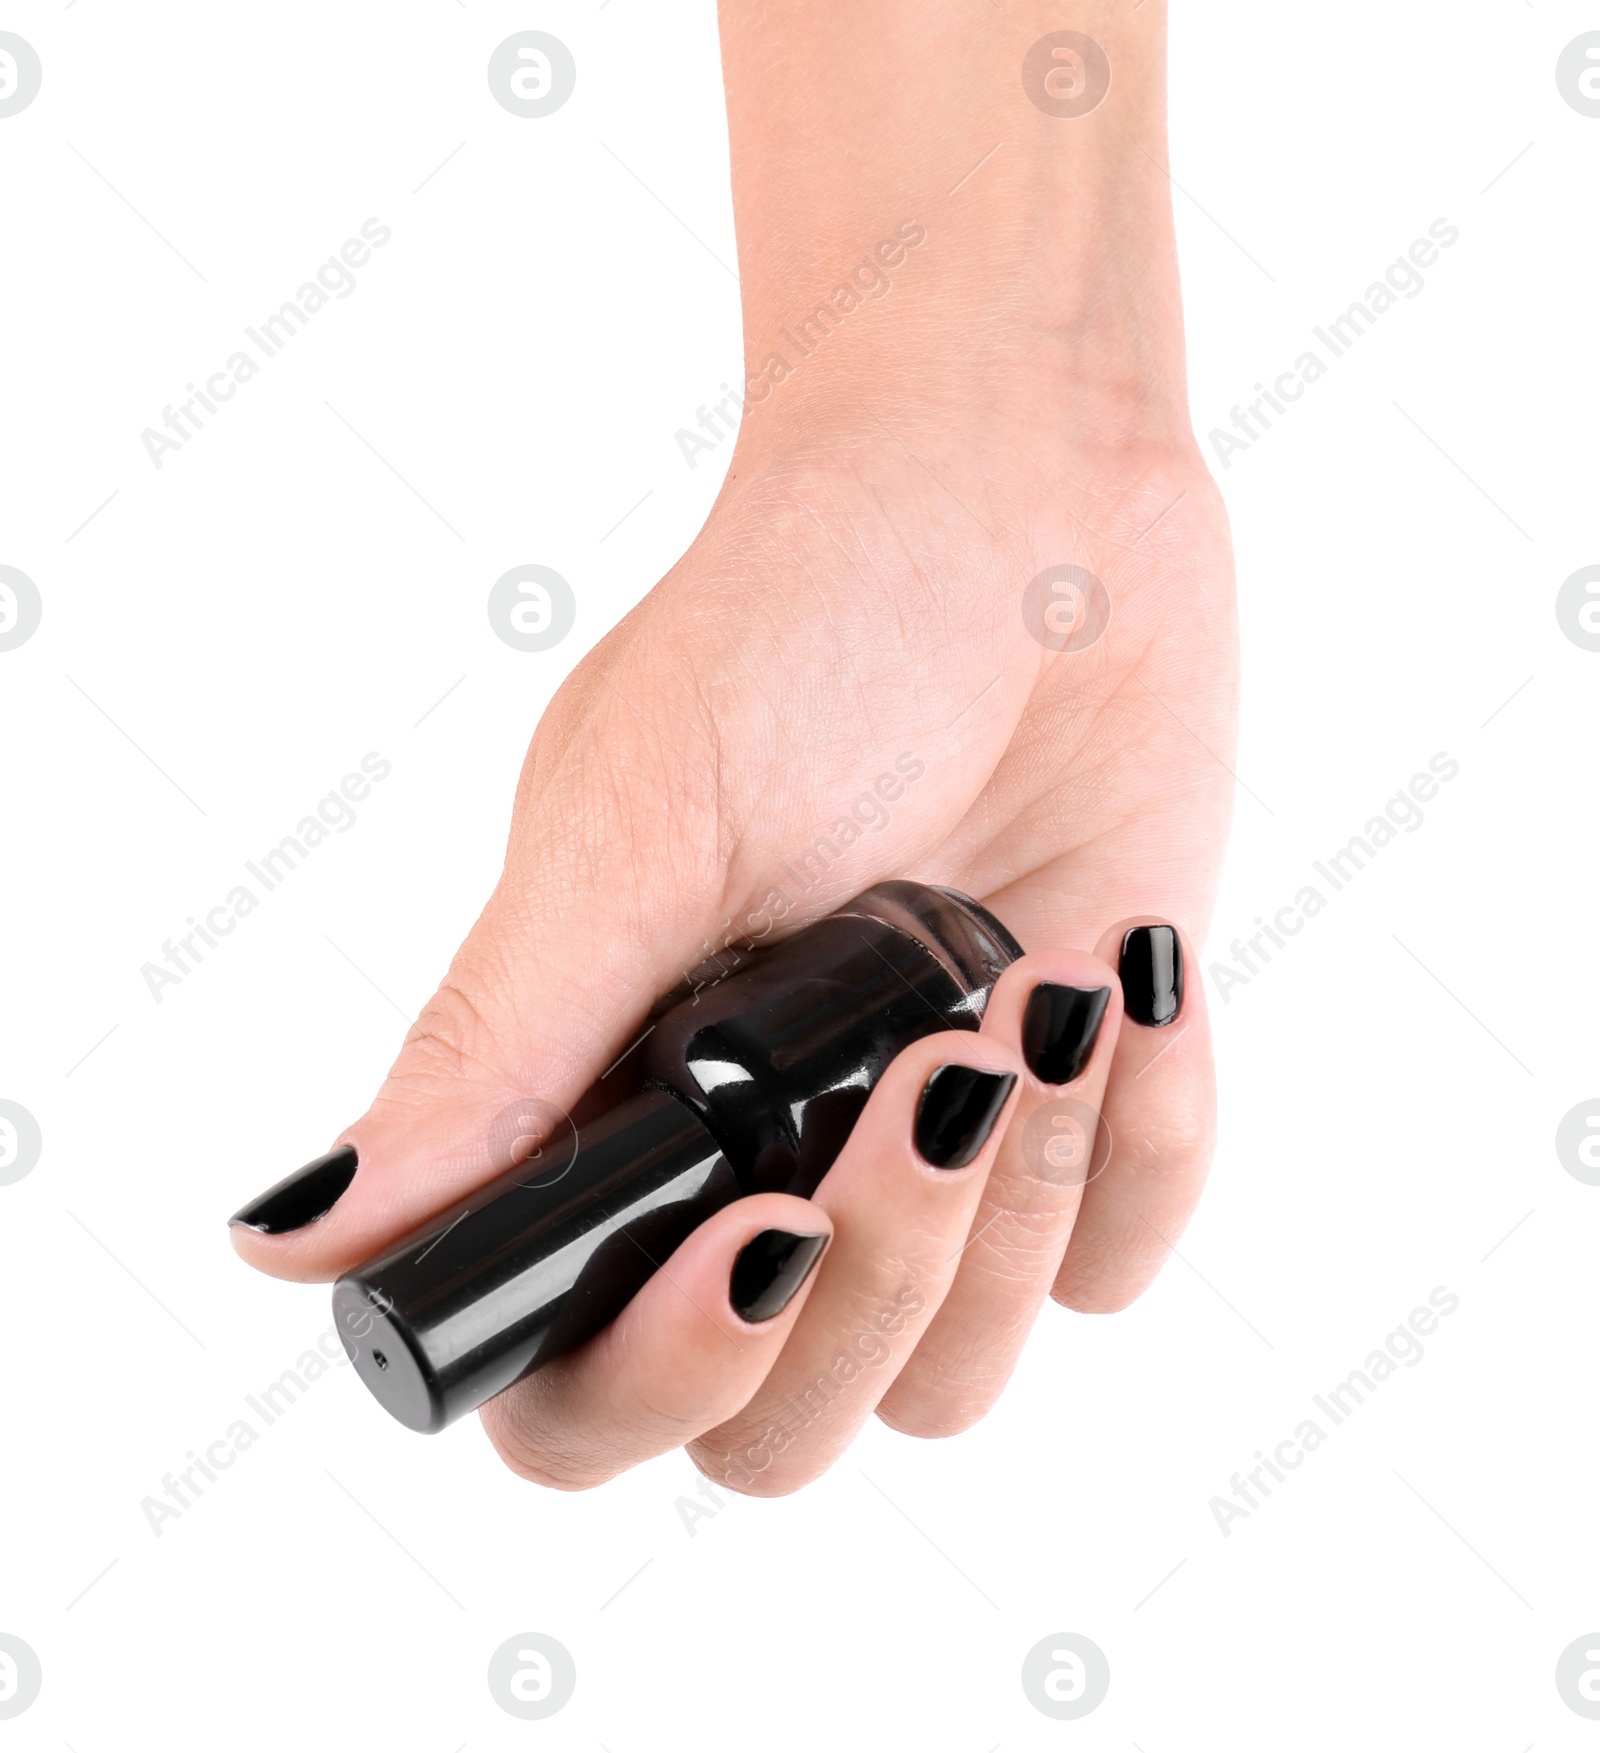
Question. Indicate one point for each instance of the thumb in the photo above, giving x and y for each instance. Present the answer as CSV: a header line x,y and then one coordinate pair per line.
x,y
544,998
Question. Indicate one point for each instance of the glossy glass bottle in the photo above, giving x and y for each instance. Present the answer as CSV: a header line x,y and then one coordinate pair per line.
x,y
750,1086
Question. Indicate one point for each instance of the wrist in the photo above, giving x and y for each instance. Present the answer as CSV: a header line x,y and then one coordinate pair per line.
x,y
944,246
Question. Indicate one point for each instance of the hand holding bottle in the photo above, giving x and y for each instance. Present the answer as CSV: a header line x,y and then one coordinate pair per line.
x,y
859,596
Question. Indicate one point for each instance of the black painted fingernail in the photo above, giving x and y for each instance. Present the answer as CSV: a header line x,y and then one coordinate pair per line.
x,y
302,1197
1151,967
959,1107
1060,1028
771,1267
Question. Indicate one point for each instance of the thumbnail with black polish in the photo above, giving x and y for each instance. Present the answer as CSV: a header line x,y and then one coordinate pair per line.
x,y
1060,1028
1151,967
302,1197
771,1267
959,1107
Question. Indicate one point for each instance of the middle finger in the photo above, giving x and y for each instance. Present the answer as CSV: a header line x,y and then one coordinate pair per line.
x,y
900,1197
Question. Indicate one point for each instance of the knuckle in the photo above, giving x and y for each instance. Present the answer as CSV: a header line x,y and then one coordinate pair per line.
x,y
554,1471
543,1457
1104,1279
1014,1242
1097,1297
733,1470
660,1416
939,1416
1178,1145
655,1409
451,1040
893,1292
777,1443
955,1379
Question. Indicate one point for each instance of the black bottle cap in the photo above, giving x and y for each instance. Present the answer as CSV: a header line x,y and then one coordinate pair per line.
x,y
530,1265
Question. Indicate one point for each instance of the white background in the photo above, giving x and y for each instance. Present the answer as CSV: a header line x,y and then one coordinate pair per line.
x,y
241,626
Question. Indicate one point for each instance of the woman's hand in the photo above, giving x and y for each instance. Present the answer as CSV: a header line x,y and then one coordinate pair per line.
x,y
859,671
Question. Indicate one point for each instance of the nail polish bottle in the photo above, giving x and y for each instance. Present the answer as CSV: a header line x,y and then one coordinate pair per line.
x,y
751,1085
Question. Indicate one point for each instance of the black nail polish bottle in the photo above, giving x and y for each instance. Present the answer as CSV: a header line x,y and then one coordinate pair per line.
x,y
751,1086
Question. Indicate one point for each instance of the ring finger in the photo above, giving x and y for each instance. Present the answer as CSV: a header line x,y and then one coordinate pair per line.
x,y
1060,1010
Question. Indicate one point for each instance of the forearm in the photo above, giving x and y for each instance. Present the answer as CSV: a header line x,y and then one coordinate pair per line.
x,y
1047,274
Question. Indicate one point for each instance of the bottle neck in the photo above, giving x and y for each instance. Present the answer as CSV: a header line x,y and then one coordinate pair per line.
x,y
779,1060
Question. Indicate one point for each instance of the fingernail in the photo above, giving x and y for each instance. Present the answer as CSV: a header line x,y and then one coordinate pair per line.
x,y
1060,1028
1151,967
302,1197
771,1267
959,1107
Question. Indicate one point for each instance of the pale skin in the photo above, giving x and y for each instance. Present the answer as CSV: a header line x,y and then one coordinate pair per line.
x,y
1015,403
